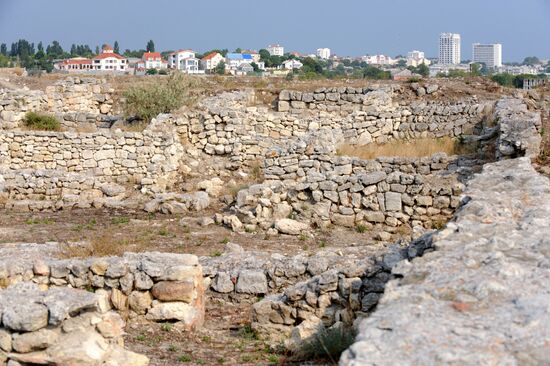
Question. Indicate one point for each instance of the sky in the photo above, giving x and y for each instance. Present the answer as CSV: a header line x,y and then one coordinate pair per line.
x,y
348,27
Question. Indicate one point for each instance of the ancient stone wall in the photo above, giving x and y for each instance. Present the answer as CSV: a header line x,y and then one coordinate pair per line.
x,y
229,126
76,102
60,326
158,286
490,211
64,168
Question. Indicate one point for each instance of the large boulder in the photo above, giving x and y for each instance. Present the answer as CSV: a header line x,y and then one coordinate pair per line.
x,y
290,227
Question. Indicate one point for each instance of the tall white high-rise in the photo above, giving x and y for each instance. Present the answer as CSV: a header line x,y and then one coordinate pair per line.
x,y
449,48
323,53
489,54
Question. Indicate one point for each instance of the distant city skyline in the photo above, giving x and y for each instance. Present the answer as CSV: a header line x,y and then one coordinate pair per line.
x,y
349,28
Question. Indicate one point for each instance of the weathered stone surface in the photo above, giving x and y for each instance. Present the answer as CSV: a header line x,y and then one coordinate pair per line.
x,y
172,311
489,267
25,317
34,341
251,282
174,291
290,227
140,301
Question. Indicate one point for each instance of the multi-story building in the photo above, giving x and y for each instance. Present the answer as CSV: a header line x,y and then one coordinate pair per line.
x,y
323,53
276,50
489,54
378,60
449,49
415,58
211,61
174,59
153,60
108,60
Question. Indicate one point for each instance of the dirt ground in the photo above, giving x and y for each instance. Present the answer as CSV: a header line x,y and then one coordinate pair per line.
x,y
226,337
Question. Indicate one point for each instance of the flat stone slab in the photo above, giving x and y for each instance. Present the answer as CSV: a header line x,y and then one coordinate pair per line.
x,y
483,296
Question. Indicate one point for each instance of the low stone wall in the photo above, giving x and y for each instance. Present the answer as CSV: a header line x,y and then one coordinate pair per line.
x,y
228,126
74,101
60,326
158,286
70,167
306,180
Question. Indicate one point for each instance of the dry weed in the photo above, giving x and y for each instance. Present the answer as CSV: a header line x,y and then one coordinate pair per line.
x,y
411,149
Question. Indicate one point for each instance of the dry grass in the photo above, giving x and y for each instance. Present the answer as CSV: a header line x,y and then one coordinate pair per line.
x,y
410,149
103,245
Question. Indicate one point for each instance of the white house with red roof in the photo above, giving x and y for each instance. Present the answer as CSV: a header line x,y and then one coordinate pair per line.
x,y
153,60
211,61
76,64
108,60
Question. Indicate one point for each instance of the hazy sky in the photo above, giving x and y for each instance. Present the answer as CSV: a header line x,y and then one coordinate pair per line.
x,y
348,27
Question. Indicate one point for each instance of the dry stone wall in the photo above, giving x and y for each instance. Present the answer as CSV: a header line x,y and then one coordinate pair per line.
x,y
60,326
61,169
77,102
158,286
228,126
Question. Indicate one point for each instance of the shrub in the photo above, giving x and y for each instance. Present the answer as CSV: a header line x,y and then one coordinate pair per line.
x,y
326,344
146,101
41,121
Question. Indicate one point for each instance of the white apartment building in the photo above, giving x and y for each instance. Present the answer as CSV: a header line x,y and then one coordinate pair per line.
x,y
211,61
378,60
175,58
153,60
489,54
449,49
415,58
276,50
323,53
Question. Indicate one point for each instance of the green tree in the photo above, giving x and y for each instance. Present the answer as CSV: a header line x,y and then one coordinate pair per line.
x,y
73,50
116,48
97,50
238,50
220,69
55,50
402,63
4,60
150,46
531,61
475,70
40,47
4,49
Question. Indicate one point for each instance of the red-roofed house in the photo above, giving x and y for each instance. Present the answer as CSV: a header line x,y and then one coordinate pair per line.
x,y
77,64
211,61
153,60
109,61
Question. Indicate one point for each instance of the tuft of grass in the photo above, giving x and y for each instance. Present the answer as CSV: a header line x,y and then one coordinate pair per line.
x,y
184,358
120,220
225,240
140,338
302,237
172,348
221,360
41,121
248,333
322,243
360,228
273,359
412,149
327,344
167,327
216,253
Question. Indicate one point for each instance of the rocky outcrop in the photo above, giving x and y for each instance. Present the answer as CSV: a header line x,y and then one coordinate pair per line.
x,y
60,327
485,285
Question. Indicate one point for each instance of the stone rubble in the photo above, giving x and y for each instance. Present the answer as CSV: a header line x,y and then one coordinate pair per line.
x,y
60,326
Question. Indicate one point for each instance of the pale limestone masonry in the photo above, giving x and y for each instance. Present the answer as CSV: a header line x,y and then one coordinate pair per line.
x,y
474,266
74,101
228,126
156,286
59,169
61,326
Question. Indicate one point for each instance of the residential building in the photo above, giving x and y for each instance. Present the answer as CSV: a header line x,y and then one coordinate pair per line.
x,y
323,53
415,58
449,49
378,60
276,50
444,69
108,60
190,65
235,60
153,60
174,59
77,64
211,61
489,54
292,64
255,55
